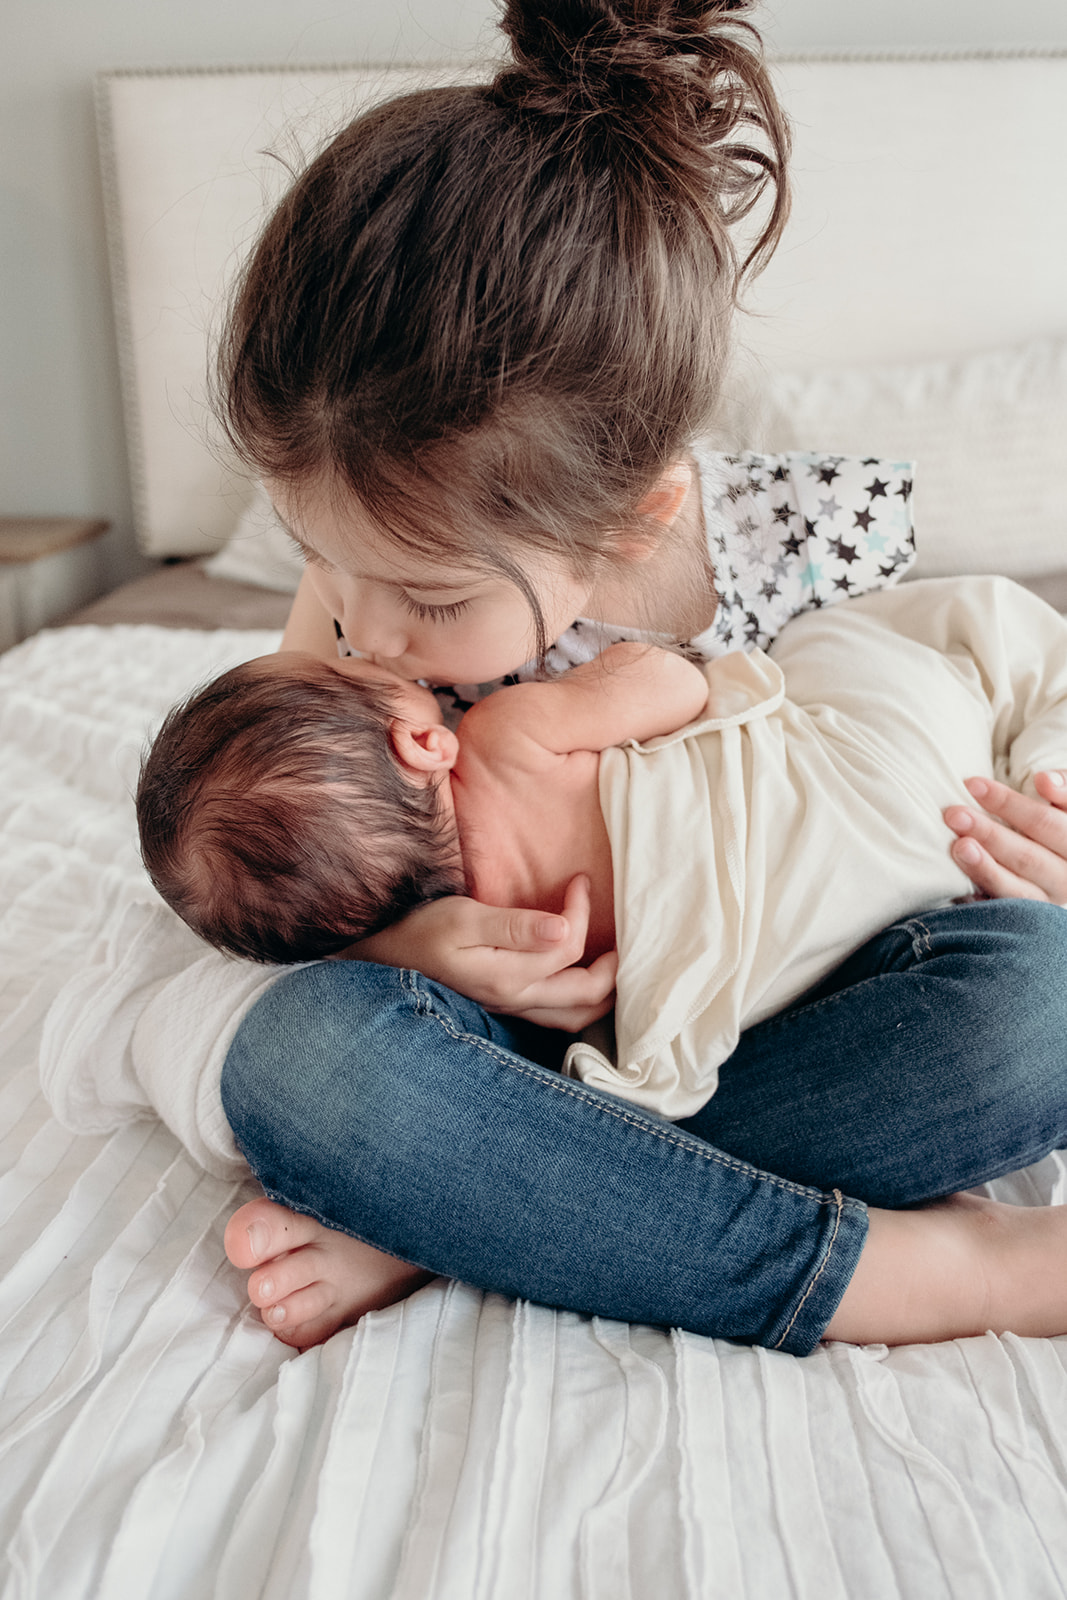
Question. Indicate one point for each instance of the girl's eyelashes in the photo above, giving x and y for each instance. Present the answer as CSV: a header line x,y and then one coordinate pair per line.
x,y
426,613
310,558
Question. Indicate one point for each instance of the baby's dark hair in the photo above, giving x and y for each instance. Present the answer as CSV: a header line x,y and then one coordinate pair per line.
x,y
276,821
496,314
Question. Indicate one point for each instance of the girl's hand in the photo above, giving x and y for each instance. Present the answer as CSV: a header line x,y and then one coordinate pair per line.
x,y
1016,847
518,962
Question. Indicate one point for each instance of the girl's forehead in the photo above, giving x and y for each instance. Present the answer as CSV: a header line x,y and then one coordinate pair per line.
x,y
344,535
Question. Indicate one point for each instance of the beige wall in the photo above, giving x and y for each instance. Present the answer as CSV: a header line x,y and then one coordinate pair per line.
x,y
61,446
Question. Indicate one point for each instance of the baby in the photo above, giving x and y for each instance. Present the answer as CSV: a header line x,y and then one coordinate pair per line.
x,y
743,825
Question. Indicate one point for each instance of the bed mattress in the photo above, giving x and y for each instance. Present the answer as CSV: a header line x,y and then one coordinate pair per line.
x,y
156,1442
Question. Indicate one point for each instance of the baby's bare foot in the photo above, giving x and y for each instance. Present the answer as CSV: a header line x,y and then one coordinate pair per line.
x,y
309,1281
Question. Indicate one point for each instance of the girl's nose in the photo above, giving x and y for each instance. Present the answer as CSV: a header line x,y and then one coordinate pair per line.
x,y
373,627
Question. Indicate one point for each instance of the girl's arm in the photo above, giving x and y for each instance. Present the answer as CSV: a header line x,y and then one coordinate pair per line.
x,y
309,626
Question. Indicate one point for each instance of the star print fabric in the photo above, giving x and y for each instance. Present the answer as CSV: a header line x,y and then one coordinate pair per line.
x,y
794,532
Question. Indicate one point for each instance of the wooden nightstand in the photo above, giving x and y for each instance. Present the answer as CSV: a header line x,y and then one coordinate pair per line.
x,y
48,565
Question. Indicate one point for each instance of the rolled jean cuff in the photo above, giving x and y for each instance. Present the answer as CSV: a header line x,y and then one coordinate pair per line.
x,y
803,1324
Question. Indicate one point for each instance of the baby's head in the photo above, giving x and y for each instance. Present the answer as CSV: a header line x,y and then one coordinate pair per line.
x,y
493,316
279,818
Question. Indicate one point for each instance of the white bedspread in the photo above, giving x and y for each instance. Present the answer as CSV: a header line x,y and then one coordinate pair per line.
x,y
156,1442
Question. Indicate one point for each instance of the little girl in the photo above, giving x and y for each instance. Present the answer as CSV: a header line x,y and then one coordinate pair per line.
x,y
473,356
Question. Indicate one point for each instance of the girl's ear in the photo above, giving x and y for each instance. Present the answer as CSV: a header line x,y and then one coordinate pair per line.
x,y
662,503
424,750
667,497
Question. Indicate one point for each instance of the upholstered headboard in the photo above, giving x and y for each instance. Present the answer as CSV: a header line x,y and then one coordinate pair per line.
x,y
930,221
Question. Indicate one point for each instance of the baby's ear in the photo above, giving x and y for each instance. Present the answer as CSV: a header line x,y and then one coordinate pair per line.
x,y
424,750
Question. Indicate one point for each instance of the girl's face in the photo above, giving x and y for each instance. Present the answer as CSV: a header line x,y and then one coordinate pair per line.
x,y
418,617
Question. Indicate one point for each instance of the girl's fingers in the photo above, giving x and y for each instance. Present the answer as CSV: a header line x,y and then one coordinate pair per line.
x,y
1052,786
438,939
523,933
500,956
560,938
1043,821
577,904
556,941
989,877
1017,852
572,999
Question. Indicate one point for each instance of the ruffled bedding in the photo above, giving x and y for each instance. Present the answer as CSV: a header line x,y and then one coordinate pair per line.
x,y
156,1442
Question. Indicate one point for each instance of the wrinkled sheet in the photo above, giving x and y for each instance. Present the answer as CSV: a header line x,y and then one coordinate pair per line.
x,y
156,1442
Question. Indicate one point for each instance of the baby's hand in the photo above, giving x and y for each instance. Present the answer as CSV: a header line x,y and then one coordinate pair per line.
x,y
1023,855
518,962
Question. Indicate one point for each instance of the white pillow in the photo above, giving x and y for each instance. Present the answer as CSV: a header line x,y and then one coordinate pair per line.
x,y
259,550
988,434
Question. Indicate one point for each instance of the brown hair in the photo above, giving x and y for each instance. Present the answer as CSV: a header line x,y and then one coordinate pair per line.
x,y
276,822
496,314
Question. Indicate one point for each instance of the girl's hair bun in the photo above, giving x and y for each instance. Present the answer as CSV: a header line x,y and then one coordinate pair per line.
x,y
675,88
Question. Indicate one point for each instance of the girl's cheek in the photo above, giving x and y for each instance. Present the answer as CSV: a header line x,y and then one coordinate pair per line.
x,y
330,592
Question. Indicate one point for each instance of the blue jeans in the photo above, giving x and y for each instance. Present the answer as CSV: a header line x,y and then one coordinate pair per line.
x,y
389,1107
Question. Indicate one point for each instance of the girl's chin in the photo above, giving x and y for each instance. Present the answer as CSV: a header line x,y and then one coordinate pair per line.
x,y
479,673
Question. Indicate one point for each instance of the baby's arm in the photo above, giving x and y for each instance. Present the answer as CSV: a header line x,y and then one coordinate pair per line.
x,y
630,691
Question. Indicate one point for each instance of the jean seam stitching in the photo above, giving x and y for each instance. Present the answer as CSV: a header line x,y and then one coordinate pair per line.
x,y
839,1201
564,1086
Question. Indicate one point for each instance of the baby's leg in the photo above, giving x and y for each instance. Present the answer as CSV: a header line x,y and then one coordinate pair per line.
x,y
957,1268
309,1281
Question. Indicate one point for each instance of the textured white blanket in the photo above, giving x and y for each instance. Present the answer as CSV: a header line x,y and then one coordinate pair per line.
x,y
143,1025
157,1443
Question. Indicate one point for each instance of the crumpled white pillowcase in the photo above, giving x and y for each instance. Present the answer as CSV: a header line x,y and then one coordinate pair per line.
x,y
259,550
988,434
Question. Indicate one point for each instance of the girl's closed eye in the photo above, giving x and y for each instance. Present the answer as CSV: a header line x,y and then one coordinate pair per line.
x,y
428,613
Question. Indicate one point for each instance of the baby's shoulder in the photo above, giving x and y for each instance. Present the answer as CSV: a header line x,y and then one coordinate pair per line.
x,y
507,728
